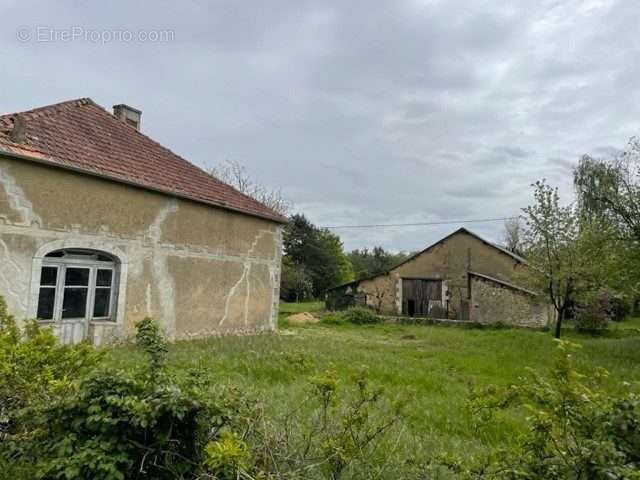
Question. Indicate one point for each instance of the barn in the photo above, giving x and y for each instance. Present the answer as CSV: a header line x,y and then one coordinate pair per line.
x,y
462,276
101,226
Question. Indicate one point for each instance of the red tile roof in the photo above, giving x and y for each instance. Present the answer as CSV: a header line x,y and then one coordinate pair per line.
x,y
81,135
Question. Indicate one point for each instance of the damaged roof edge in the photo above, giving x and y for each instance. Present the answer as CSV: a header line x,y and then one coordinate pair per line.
x,y
114,178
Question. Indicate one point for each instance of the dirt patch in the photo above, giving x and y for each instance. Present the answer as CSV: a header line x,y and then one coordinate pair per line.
x,y
302,319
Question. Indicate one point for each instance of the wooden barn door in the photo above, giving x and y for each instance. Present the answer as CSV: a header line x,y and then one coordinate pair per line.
x,y
418,294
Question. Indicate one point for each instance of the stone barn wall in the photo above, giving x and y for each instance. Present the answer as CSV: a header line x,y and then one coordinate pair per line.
x,y
493,302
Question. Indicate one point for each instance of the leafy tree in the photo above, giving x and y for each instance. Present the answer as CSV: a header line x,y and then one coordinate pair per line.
x,y
608,192
551,240
610,189
312,255
296,284
372,262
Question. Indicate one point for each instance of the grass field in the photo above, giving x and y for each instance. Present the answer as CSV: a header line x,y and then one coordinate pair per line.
x,y
435,364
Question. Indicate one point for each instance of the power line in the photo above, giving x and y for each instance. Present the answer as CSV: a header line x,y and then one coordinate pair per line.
x,y
421,224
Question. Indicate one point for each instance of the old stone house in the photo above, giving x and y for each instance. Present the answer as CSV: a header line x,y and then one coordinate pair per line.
x,y
100,226
462,276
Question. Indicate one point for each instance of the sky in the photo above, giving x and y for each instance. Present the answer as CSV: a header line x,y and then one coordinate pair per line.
x,y
361,112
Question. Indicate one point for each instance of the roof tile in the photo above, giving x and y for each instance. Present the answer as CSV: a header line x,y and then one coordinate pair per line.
x,y
83,135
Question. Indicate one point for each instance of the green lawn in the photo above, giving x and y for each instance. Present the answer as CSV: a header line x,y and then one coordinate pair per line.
x,y
435,364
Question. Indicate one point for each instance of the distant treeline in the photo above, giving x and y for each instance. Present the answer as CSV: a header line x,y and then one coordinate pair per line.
x,y
315,260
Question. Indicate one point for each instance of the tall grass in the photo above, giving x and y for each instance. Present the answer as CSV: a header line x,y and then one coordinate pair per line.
x,y
433,364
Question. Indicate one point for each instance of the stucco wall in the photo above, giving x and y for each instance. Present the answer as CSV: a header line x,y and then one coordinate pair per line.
x,y
197,269
493,303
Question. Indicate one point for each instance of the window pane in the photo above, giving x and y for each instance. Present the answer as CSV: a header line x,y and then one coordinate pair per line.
x,y
104,278
46,300
77,277
49,276
74,304
101,307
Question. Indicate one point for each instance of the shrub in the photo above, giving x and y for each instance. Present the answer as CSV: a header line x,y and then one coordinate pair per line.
x,y
576,430
110,424
339,434
34,371
334,319
360,316
620,308
594,315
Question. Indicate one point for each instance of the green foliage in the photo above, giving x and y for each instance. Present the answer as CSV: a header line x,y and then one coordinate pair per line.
x,y
313,257
340,435
352,315
609,189
360,316
227,456
551,241
148,337
594,316
334,318
34,370
109,424
372,262
576,429
608,192
296,284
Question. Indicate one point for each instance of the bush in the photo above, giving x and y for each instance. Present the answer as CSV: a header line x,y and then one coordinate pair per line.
x,y
334,319
620,308
340,434
110,424
34,371
576,429
360,316
594,315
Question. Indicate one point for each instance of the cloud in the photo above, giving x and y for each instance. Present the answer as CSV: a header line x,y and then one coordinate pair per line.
x,y
361,112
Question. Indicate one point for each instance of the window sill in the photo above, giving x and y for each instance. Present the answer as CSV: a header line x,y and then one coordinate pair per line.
x,y
103,322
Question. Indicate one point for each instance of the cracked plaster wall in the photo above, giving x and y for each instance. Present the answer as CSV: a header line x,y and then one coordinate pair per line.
x,y
198,270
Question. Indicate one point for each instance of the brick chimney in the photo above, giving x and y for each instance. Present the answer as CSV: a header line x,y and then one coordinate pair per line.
x,y
18,133
128,115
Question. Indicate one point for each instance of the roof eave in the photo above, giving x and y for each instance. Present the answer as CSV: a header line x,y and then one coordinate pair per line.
x,y
50,163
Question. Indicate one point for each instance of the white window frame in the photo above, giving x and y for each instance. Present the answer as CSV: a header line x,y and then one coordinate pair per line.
x,y
93,265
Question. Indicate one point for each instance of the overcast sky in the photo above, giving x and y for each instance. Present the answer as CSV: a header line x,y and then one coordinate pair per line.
x,y
361,112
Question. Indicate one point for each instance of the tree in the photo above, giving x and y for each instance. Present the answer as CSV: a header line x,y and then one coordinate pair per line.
x,y
236,175
513,235
552,245
296,284
372,262
317,252
608,193
609,190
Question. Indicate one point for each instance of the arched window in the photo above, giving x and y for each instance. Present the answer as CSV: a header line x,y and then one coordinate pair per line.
x,y
77,285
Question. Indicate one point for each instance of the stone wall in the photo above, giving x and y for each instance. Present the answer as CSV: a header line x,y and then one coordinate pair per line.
x,y
198,270
448,260
492,302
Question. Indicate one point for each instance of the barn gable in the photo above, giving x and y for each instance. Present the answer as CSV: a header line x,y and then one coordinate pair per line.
x,y
437,281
